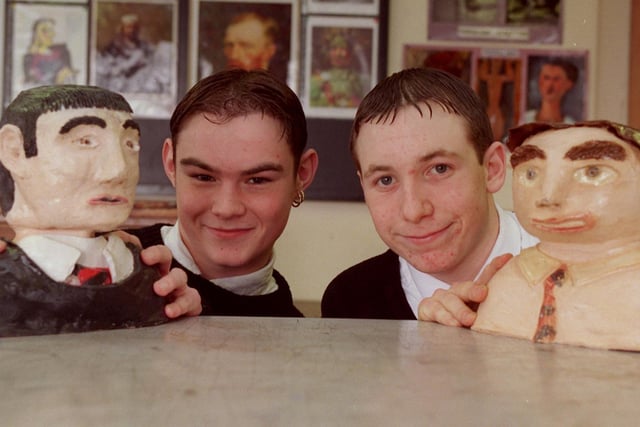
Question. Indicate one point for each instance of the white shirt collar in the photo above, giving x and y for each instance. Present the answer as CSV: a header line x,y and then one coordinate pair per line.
x,y
57,255
259,282
512,238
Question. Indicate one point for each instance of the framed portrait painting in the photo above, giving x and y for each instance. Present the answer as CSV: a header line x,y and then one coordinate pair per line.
x,y
46,44
556,86
134,51
245,34
341,64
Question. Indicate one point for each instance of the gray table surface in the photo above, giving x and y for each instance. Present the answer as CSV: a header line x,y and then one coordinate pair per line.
x,y
230,371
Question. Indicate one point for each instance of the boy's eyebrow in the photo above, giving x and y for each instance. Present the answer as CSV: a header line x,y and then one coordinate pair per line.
x,y
263,167
524,153
82,120
596,150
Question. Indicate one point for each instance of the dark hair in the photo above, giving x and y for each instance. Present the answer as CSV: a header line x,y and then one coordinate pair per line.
x,y
30,104
429,86
569,68
232,93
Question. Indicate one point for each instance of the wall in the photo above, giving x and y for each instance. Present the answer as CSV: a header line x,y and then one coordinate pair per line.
x,y
324,238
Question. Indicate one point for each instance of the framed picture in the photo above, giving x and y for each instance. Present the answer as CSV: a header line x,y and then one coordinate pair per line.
x,y
46,44
134,51
344,7
522,21
341,64
556,86
246,34
497,82
453,60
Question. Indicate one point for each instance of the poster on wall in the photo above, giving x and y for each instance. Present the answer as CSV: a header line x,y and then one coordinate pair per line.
x,y
46,44
496,20
134,51
341,64
516,85
249,35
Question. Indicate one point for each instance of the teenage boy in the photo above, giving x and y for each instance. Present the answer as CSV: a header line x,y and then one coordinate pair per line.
x,y
428,166
237,160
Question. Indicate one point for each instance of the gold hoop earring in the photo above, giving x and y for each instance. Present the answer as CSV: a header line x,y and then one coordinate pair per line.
x,y
299,199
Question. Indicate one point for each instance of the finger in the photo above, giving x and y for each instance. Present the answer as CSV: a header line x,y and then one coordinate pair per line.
x,y
187,302
174,281
158,256
128,238
447,309
490,270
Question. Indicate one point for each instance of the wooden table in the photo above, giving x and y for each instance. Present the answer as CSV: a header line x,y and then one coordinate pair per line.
x,y
227,371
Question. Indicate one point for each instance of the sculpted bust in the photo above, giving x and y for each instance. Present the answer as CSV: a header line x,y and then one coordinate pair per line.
x,y
68,174
577,188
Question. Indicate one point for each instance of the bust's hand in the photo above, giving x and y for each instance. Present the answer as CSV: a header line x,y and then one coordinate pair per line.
x,y
172,284
457,305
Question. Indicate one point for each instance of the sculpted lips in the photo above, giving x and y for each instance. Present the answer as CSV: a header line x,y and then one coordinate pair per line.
x,y
108,200
564,225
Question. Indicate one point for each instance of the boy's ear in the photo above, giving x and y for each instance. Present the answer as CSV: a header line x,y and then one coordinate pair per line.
x,y
12,150
168,161
495,163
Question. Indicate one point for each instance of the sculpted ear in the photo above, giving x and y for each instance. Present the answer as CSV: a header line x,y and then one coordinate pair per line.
x,y
12,150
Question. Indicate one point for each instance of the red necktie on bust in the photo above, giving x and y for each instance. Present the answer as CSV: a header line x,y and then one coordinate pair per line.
x,y
546,330
92,275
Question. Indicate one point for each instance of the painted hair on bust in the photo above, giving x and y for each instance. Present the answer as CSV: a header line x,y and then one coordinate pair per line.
x,y
24,111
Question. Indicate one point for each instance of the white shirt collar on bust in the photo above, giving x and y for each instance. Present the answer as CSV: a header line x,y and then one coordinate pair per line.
x,y
57,255
512,238
259,282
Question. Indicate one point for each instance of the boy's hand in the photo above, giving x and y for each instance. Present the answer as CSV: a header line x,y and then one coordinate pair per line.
x,y
457,305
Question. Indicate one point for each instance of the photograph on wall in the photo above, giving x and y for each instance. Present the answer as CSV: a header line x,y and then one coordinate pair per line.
x,y
134,52
453,60
556,86
46,44
523,21
498,84
343,7
248,35
341,64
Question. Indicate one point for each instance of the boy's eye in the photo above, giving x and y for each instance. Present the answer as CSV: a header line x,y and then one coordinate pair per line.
x,y
385,180
441,168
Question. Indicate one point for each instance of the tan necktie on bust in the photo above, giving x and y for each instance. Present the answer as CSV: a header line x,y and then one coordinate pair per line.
x,y
546,330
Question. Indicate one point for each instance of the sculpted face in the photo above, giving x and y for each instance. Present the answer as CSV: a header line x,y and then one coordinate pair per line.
x,y
246,46
577,185
83,178
427,192
235,182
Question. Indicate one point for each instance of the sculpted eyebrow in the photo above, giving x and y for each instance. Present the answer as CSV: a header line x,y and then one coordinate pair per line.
x,y
524,153
596,150
84,120
131,124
